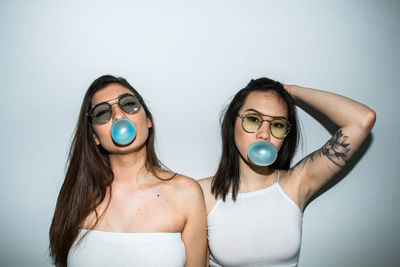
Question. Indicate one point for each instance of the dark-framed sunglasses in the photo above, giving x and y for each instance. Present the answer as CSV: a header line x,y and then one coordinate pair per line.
x,y
278,126
101,113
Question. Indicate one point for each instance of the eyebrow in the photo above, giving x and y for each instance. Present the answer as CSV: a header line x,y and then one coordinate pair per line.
x,y
260,113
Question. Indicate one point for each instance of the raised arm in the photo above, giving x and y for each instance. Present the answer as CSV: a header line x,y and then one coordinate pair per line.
x,y
354,120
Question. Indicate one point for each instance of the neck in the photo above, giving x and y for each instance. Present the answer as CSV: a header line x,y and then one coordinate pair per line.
x,y
252,176
130,168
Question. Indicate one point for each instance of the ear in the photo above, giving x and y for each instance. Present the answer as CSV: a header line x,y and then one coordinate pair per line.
x,y
96,139
149,123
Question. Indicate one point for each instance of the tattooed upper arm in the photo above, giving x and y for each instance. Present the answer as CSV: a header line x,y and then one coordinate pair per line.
x,y
337,149
304,161
317,168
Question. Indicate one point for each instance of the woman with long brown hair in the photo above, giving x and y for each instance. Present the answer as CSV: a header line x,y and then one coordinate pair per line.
x,y
255,201
117,205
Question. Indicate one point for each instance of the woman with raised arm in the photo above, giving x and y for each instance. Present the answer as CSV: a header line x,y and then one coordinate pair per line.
x,y
255,201
117,205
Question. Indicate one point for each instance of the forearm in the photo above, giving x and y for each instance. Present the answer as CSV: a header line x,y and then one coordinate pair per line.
x,y
341,110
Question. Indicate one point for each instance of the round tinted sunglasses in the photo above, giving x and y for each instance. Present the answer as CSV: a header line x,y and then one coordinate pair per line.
x,y
101,113
278,126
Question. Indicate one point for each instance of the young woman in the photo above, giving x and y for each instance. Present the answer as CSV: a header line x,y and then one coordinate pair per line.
x,y
255,212
117,206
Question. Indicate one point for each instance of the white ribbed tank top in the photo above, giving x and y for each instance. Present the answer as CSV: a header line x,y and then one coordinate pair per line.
x,y
262,228
105,249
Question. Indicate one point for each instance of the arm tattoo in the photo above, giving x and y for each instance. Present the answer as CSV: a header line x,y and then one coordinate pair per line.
x,y
304,161
336,149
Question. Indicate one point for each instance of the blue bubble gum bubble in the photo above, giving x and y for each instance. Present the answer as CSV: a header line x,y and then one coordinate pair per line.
x,y
262,153
123,131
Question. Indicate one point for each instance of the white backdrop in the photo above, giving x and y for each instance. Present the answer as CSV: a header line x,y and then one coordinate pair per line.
x,y
187,58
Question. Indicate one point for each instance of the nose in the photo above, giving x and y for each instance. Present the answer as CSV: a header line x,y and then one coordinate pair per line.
x,y
117,113
263,133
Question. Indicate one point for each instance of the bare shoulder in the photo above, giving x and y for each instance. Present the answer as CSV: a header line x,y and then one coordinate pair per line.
x,y
290,182
205,184
187,187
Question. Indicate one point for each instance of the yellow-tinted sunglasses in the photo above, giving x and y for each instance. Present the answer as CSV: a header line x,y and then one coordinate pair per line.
x,y
278,126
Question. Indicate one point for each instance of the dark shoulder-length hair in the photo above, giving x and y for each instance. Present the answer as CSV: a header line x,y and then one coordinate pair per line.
x,y
88,176
227,176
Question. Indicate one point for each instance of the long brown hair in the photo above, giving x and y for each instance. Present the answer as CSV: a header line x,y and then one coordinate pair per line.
x,y
227,175
88,176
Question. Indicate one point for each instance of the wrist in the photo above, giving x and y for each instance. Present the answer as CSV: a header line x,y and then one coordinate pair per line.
x,y
291,89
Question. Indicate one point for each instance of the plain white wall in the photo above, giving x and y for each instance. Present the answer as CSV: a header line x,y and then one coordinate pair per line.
x,y
187,58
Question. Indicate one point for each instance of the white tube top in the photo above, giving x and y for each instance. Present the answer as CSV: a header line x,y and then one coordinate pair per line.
x,y
99,248
262,228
